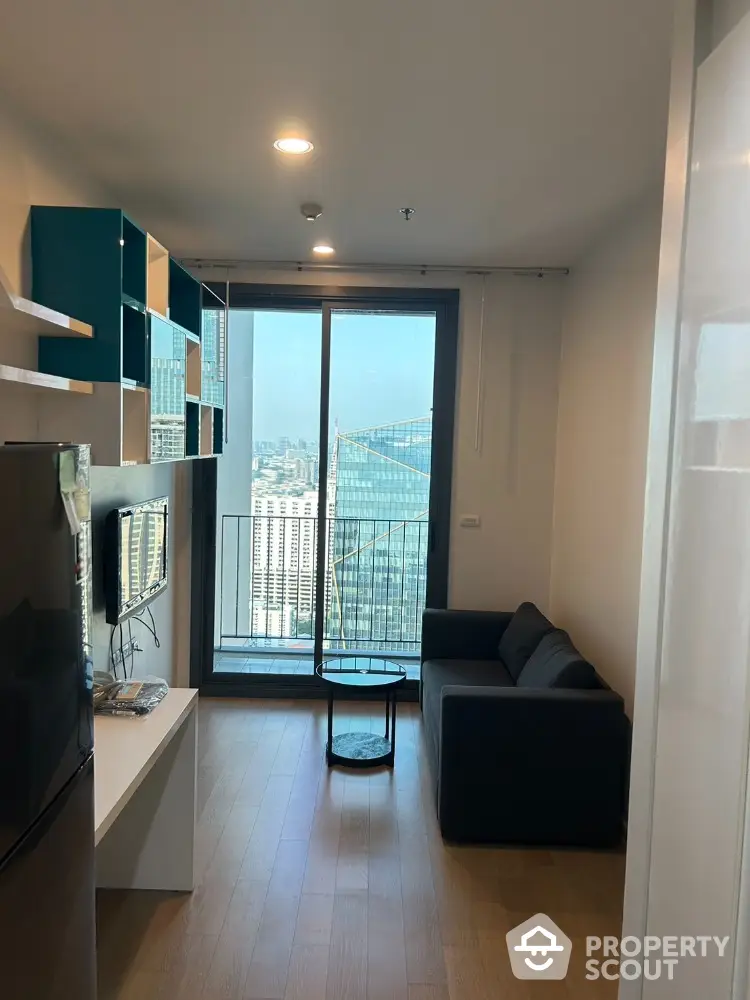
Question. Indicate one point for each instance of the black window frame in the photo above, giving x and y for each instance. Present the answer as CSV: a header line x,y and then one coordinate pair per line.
x,y
445,304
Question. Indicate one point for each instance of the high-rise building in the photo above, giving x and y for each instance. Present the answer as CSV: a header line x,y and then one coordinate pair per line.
x,y
380,488
168,400
306,470
142,546
282,557
212,388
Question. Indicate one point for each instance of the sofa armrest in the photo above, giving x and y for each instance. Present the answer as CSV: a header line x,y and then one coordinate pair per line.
x,y
532,765
462,635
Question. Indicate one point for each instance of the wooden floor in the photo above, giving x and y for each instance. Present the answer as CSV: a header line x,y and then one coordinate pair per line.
x,y
333,885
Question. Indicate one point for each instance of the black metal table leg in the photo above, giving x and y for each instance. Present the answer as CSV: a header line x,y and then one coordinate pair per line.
x,y
393,728
387,713
329,744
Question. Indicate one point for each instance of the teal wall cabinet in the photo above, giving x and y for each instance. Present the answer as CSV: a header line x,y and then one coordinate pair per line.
x,y
156,357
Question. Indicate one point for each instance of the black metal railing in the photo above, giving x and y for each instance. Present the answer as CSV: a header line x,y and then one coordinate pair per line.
x,y
374,582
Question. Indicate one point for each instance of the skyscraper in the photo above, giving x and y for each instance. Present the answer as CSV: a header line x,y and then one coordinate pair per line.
x,y
213,341
282,585
167,392
380,485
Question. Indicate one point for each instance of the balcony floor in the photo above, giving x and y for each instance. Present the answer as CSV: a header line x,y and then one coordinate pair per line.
x,y
263,663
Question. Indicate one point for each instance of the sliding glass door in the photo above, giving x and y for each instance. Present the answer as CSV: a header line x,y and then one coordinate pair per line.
x,y
267,495
331,500
381,384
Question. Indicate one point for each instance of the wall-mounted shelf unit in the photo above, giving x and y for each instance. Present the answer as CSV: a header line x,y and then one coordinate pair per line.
x,y
207,430
158,336
218,431
114,421
133,243
136,415
157,280
192,429
193,369
184,299
135,359
204,430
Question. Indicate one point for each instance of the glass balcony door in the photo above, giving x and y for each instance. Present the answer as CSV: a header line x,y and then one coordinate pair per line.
x,y
327,543
268,495
381,381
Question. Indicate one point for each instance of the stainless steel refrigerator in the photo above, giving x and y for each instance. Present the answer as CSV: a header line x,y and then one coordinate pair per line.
x,y
47,909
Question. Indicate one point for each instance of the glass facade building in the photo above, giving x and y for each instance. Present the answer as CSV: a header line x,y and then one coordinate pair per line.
x,y
167,391
213,341
378,538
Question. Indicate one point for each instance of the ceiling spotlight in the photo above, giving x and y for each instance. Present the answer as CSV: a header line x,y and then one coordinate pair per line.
x,y
292,145
323,249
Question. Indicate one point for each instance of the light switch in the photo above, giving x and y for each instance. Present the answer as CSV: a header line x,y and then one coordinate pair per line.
x,y
470,521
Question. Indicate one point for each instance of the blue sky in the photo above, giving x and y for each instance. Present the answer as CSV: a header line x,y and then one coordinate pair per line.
x,y
381,371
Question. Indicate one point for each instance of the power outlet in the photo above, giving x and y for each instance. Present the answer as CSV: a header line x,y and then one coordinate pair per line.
x,y
470,521
128,648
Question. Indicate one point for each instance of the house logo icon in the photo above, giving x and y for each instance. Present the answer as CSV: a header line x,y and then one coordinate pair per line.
x,y
538,949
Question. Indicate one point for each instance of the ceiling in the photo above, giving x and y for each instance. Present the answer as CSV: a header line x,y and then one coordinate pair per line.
x,y
515,128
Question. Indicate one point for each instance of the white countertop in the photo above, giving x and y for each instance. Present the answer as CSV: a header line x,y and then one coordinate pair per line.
x,y
125,750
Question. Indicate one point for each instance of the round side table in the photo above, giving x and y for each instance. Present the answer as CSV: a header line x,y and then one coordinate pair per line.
x,y
363,673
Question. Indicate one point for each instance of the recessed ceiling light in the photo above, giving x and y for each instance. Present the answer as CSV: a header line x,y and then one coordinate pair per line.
x,y
293,145
323,249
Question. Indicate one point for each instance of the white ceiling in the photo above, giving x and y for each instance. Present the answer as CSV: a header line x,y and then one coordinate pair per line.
x,y
515,128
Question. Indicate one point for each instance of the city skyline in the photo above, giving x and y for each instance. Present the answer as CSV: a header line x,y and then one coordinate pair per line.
x,y
377,507
378,459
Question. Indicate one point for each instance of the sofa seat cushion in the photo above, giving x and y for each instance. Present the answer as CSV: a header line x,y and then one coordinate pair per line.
x,y
522,636
436,674
556,663
480,673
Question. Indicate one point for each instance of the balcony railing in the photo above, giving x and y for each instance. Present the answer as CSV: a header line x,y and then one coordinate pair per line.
x,y
375,583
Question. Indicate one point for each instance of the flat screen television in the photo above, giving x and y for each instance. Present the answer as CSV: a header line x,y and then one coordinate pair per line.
x,y
135,557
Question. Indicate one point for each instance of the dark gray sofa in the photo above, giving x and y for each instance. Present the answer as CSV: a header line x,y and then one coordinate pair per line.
x,y
527,743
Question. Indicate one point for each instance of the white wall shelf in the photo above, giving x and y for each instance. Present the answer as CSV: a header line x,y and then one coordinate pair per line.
x,y
26,318
40,380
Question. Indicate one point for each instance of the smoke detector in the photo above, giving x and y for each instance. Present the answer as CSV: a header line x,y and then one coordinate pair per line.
x,y
311,211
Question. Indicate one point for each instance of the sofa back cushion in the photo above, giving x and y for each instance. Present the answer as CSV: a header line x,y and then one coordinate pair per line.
x,y
556,663
522,636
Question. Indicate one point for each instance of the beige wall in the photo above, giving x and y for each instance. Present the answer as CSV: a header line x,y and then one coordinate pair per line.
x,y
34,171
508,479
605,389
